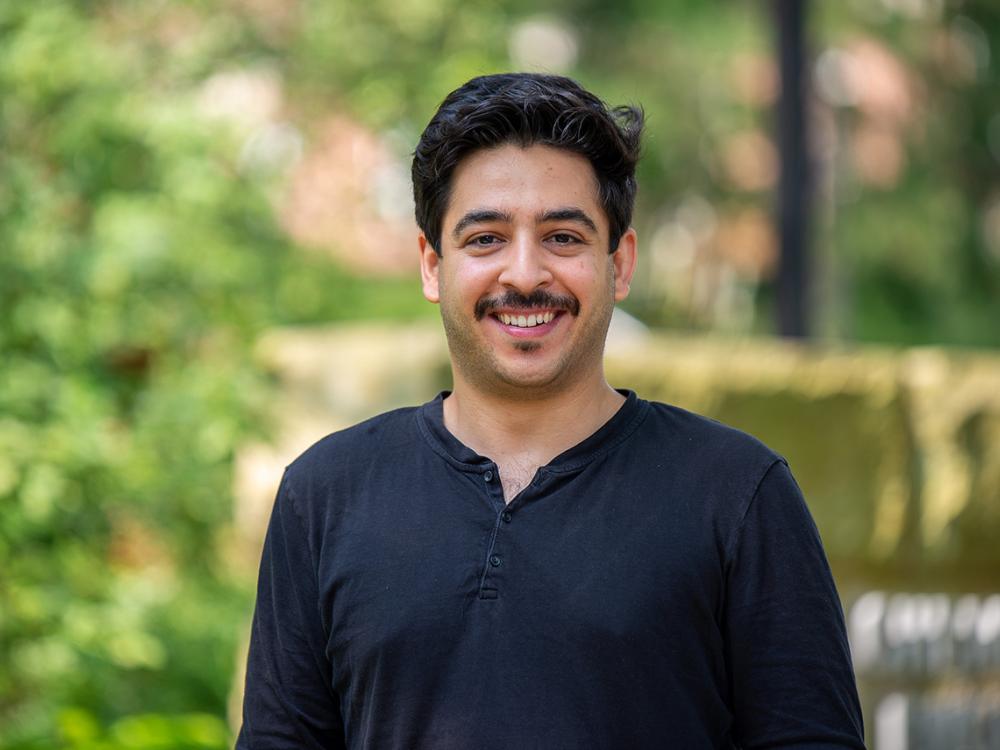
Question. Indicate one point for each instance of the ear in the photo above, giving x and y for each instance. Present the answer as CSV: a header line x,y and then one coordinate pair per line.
x,y
624,259
430,264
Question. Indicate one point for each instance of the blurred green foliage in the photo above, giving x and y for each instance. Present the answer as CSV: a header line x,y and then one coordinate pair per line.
x,y
138,265
141,257
917,260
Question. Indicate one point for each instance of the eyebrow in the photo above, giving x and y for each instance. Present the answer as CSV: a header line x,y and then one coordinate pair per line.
x,y
479,216
567,214
482,215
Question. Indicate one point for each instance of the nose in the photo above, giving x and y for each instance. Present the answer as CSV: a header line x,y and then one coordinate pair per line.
x,y
526,266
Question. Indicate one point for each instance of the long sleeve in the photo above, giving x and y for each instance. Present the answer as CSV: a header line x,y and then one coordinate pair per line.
x,y
789,660
288,702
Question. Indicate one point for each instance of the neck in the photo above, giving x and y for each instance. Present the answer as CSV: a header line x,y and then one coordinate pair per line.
x,y
533,428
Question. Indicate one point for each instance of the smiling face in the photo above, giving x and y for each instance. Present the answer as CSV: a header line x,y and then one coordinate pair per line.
x,y
525,280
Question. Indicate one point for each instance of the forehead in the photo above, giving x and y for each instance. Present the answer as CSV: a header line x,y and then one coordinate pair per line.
x,y
516,179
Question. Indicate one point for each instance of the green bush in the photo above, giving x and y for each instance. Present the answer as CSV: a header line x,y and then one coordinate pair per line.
x,y
138,264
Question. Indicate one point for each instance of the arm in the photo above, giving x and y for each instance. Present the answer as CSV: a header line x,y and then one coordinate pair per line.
x,y
787,652
288,701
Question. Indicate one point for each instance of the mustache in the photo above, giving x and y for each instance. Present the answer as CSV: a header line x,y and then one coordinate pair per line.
x,y
539,298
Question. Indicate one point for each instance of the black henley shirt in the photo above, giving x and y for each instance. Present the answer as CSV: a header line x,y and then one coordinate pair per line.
x,y
659,585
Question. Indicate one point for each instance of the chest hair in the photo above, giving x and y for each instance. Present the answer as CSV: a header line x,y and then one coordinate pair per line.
x,y
515,475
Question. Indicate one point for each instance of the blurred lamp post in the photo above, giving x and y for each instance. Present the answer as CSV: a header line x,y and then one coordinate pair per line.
x,y
794,188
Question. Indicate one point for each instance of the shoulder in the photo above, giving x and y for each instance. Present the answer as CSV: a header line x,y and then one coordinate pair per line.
x,y
334,458
716,466
709,470
703,439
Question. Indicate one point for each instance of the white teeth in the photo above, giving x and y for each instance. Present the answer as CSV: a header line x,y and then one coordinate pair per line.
x,y
529,321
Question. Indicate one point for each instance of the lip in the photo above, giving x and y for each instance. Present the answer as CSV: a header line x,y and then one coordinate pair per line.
x,y
526,333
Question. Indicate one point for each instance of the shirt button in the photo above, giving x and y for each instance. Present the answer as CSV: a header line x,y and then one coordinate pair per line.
x,y
495,561
488,476
505,516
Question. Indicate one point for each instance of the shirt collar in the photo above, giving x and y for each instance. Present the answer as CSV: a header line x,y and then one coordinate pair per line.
x,y
430,416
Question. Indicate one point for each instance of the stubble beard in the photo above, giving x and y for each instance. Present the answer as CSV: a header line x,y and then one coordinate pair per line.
x,y
481,368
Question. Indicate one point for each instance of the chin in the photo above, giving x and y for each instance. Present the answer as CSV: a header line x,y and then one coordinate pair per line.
x,y
527,346
528,380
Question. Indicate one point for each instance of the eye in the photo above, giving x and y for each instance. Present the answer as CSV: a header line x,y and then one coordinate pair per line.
x,y
483,240
564,239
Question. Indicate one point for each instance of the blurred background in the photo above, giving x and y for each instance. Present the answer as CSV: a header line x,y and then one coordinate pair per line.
x,y
208,261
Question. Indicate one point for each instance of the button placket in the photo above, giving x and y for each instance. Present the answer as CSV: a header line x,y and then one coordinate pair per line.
x,y
495,559
490,477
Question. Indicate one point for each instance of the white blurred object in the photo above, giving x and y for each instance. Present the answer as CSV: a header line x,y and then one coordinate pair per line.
x,y
891,718
271,148
625,332
248,98
543,43
865,622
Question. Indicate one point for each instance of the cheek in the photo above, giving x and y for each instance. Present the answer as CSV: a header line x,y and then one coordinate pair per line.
x,y
469,281
587,272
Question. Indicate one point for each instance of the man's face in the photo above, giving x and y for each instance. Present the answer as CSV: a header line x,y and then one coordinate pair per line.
x,y
525,280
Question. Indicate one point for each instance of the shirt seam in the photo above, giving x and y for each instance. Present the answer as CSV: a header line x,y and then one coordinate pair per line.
x,y
313,558
286,486
737,533
642,410
314,565
434,446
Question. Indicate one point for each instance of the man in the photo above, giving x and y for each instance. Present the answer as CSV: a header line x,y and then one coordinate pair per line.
x,y
536,560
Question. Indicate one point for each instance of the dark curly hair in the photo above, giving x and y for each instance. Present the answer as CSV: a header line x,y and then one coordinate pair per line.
x,y
527,109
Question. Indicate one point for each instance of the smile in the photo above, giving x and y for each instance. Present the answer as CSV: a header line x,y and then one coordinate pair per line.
x,y
526,321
